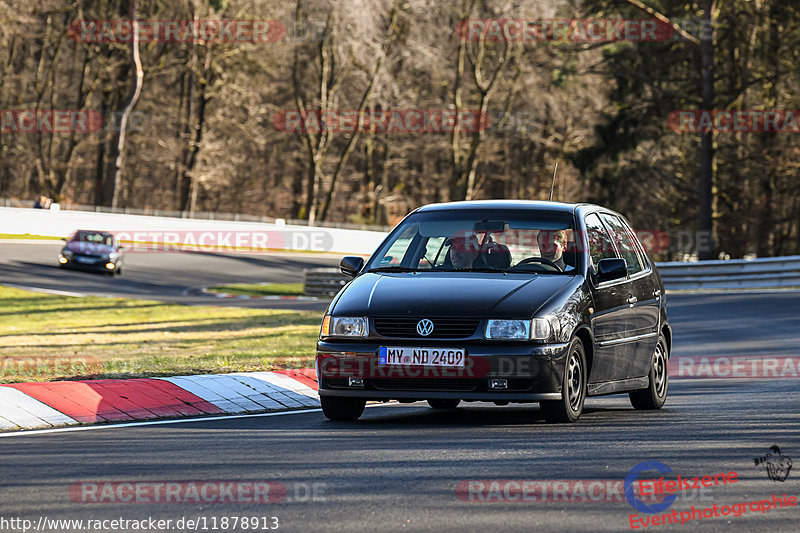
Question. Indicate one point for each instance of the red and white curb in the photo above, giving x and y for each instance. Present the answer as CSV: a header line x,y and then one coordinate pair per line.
x,y
65,403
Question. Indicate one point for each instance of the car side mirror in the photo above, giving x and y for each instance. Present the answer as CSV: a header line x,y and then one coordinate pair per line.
x,y
350,265
611,268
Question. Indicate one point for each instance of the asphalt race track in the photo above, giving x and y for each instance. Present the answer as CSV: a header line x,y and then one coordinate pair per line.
x,y
406,467
173,277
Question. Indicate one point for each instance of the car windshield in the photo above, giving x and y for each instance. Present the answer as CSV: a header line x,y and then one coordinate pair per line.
x,y
92,237
482,241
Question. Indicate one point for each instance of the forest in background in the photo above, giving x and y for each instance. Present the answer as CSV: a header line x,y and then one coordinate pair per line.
x,y
202,134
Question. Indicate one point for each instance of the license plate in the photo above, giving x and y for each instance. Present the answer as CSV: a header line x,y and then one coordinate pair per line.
x,y
404,355
85,260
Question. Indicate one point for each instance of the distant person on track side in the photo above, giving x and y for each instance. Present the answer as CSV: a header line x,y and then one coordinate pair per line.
x,y
43,202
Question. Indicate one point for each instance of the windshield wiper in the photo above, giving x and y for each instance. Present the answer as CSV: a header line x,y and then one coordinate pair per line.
x,y
471,269
393,268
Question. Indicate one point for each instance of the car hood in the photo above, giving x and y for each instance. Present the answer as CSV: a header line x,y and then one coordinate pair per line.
x,y
448,294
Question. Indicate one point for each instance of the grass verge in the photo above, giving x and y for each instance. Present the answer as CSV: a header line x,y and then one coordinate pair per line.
x,y
28,236
46,337
261,289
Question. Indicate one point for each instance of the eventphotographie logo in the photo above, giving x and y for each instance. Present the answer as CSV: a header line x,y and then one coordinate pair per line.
x,y
776,464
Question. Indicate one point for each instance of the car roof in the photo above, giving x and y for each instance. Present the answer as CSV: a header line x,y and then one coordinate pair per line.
x,y
558,207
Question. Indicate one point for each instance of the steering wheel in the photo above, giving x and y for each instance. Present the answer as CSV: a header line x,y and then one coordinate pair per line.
x,y
540,260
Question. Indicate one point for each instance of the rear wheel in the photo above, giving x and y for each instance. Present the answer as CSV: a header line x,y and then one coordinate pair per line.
x,y
654,396
573,389
444,404
336,408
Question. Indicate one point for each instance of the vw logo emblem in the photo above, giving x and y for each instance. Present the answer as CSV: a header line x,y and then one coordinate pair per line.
x,y
424,327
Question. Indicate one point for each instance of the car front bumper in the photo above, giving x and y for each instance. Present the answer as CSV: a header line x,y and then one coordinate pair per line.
x,y
532,373
95,264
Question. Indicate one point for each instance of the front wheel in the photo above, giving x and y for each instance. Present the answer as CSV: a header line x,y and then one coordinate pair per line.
x,y
654,396
342,409
573,389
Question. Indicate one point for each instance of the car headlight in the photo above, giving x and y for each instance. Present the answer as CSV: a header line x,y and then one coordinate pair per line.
x,y
66,253
536,329
344,326
112,256
508,329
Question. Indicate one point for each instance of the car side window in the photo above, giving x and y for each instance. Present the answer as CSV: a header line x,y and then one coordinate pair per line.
x,y
625,244
398,250
600,246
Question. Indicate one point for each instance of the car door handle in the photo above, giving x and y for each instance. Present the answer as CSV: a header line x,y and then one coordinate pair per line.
x,y
632,300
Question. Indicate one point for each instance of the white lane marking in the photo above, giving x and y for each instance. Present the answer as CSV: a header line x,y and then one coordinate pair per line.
x,y
209,418
46,291
27,412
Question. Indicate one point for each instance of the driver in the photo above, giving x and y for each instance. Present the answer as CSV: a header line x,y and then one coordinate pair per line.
x,y
464,249
552,245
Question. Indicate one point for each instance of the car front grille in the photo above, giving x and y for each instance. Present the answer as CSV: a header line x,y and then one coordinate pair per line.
x,y
443,328
432,384
437,384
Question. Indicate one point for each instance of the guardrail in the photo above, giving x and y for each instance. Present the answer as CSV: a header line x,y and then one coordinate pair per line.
x,y
324,282
770,272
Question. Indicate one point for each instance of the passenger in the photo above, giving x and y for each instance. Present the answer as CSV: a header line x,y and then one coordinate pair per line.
x,y
464,249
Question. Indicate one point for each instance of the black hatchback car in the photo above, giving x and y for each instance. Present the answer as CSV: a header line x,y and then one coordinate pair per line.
x,y
97,251
498,301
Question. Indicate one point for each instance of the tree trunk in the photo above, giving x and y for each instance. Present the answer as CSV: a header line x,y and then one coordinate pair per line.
x,y
706,216
136,91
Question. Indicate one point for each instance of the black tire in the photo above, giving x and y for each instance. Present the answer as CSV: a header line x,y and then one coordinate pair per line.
x,y
444,404
654,396
573,387
342,409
